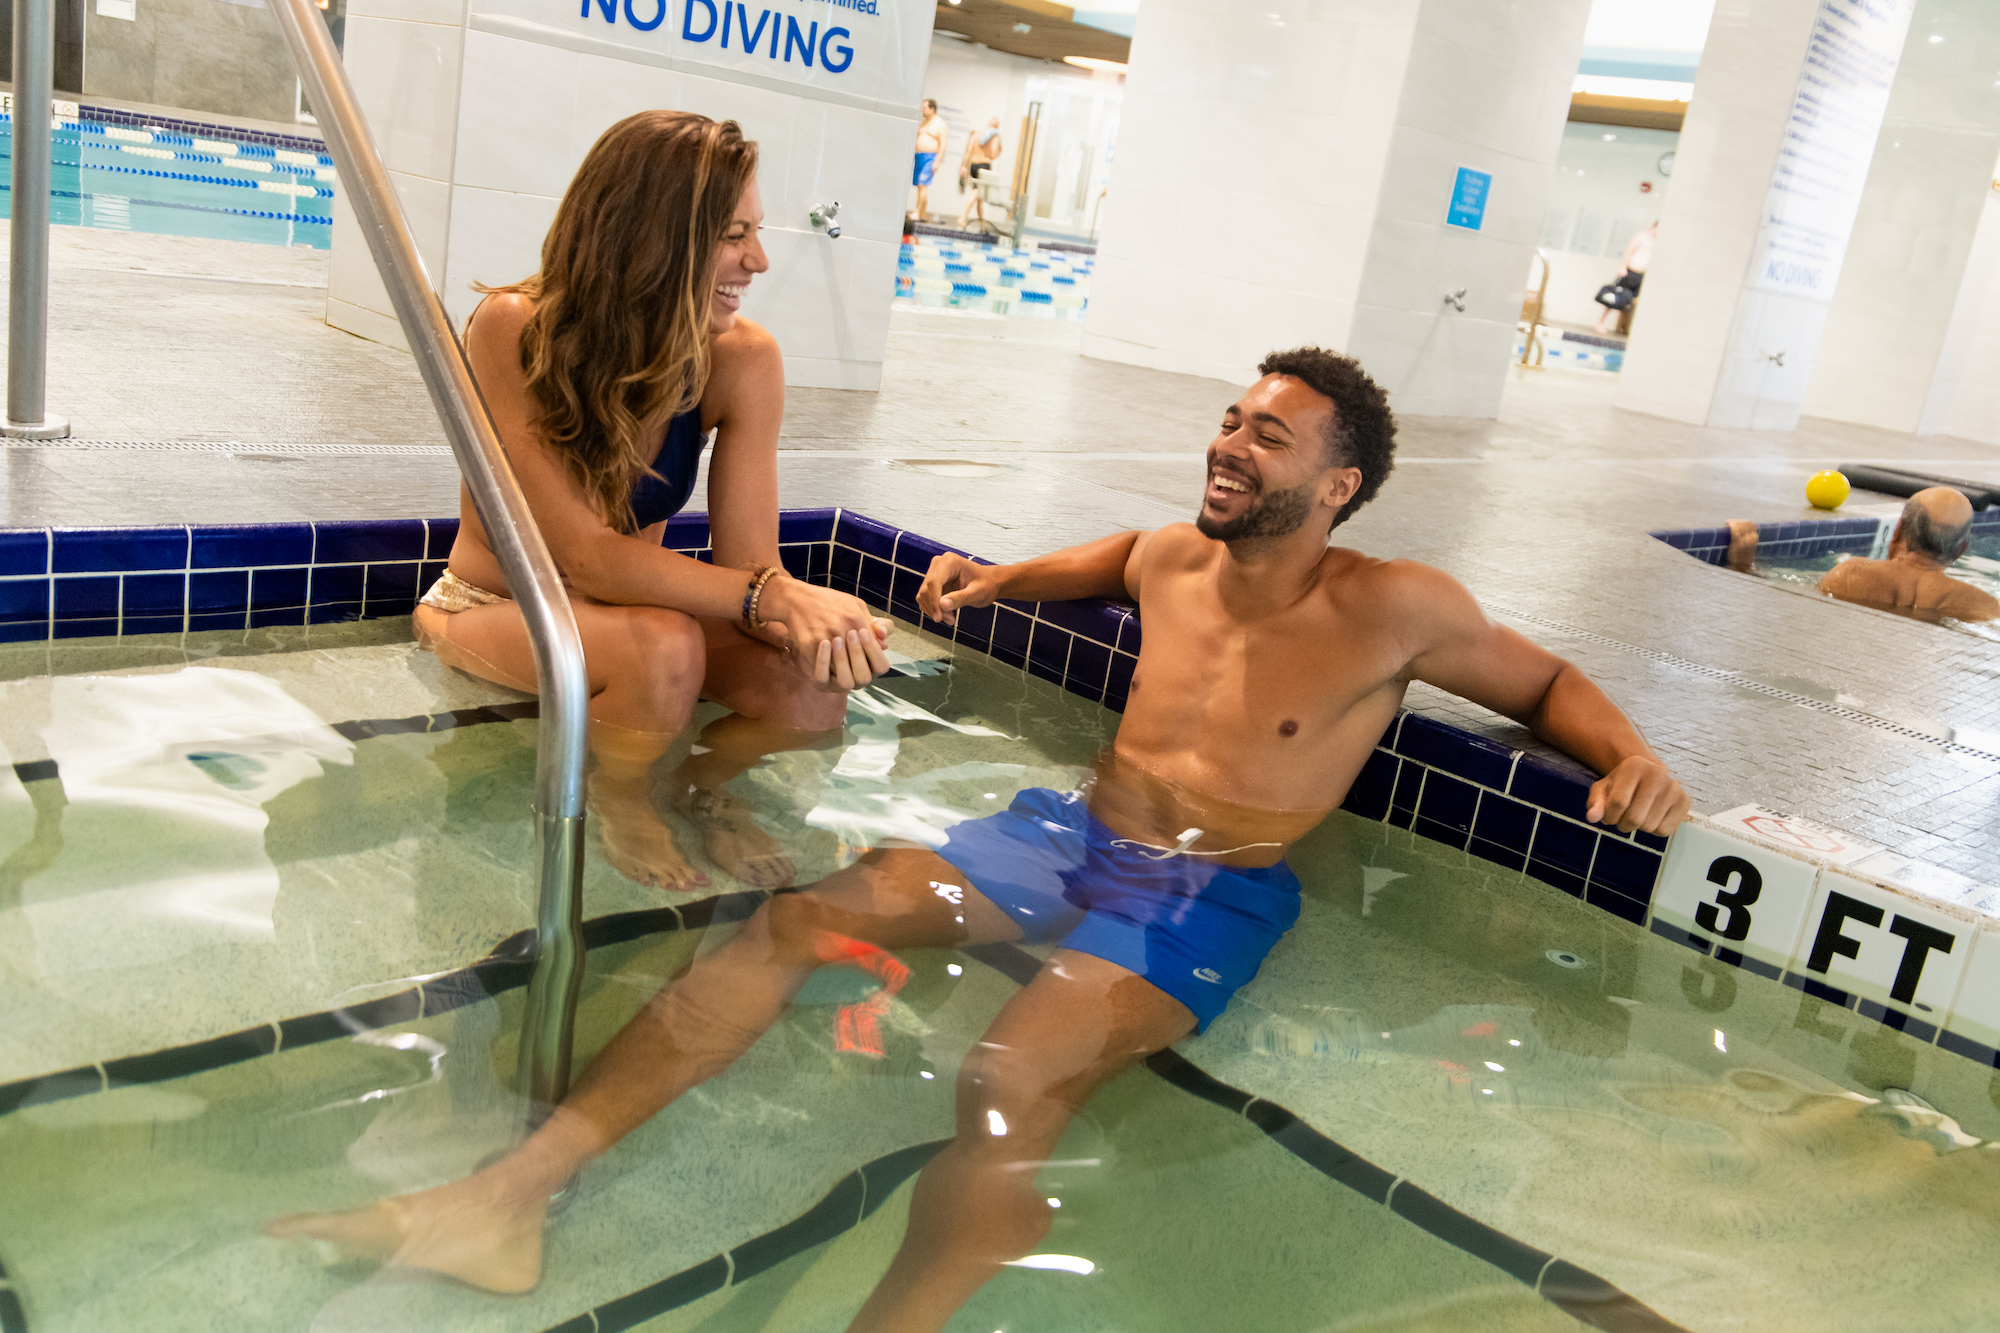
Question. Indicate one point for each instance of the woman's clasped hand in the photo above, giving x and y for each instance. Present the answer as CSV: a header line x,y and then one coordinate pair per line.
x,y
832,635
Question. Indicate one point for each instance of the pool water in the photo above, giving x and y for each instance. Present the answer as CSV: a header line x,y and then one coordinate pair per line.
x,y
246,827
120,178
994,279
1979,566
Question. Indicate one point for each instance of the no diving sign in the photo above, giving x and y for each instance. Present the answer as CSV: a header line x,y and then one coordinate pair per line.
x,y
1800,837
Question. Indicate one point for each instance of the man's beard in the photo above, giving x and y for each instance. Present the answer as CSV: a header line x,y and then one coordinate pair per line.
x,y
1278,514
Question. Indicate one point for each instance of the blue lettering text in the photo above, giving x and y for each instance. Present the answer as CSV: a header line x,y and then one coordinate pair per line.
x,y
750,39
846,53
608,7
659,16
687,21
796,41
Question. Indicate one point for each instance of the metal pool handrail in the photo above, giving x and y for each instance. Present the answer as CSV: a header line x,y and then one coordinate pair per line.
x,y
548,1025
28,415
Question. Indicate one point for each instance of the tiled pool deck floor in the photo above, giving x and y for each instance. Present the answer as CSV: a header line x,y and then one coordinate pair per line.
x,y
1543,514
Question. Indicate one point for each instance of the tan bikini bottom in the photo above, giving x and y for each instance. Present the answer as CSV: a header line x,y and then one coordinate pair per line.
x,y
452,594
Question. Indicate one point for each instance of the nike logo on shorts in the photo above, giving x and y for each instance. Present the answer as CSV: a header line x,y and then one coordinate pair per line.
x,y
1209,974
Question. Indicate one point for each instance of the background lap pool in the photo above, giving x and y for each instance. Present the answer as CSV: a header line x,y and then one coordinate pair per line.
x,y
1701,1138
1979,566
216,185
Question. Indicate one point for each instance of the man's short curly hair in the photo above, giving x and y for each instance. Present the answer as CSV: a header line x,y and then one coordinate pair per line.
x,y
1361,432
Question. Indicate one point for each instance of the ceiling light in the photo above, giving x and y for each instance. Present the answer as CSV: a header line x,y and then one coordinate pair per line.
x,y
1936,37
1092,62
1024,28
1609,137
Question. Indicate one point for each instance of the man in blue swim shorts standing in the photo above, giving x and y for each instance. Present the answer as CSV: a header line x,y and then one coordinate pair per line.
x,y
1271,665
931,134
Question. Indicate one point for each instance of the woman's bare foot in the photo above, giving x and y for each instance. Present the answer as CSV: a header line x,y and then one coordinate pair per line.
x,y
731,839
636,844
470,1230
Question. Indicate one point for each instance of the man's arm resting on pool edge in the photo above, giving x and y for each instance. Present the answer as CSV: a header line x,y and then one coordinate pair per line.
x,y
1107,567
1493,666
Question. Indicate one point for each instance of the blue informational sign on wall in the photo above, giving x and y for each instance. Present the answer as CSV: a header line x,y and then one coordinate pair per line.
x,y
1468,198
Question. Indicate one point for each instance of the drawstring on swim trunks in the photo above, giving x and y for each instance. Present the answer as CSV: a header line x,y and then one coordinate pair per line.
x,y
1188,839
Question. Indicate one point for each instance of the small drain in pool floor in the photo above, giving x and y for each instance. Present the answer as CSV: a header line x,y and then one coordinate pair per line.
x,y
1564,958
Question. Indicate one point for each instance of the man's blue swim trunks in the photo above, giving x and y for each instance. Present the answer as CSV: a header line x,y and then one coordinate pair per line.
x,y
926,168
1197,930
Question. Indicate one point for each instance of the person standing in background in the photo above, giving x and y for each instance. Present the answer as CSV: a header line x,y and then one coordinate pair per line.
x,y
931,132
982,150
1618,295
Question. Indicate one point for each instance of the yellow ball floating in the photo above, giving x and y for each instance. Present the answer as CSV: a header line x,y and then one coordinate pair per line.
x,y
1827,490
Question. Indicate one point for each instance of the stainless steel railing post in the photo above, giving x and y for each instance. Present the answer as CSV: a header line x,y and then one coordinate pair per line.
x,y
28,244
548,1024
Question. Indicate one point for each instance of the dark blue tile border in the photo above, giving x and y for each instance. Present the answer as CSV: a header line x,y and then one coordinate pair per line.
x,y
239,546
23,551
1794,539
118,550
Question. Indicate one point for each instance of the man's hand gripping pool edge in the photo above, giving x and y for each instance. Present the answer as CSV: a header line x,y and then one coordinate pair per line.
x,y
1638,795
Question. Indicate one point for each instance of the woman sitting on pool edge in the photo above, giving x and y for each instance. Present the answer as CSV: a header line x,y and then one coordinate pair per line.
x,y
604,373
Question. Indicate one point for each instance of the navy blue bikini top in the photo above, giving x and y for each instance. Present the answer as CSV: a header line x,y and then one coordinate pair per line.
x,y
661,497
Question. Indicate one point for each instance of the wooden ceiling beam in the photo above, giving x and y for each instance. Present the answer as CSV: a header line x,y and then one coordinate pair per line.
x,y
1050,36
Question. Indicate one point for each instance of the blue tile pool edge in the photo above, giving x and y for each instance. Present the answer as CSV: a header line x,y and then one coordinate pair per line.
x,y
1424,775
1802,538
146,120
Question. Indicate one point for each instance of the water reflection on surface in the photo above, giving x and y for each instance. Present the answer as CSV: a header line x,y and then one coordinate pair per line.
x,y
1721,1147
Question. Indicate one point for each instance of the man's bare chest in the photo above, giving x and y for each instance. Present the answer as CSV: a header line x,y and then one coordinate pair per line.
x,y
1309,669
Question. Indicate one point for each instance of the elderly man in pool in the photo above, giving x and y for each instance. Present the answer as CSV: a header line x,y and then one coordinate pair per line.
x,y
1272,663
1935,530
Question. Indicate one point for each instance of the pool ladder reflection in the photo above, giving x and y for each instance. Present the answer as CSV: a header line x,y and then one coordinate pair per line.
x,y
549,1023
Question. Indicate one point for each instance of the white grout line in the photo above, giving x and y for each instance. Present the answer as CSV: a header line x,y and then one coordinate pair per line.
x,y
1544,1273
1389,1199
103,1079
277,1037
729,1276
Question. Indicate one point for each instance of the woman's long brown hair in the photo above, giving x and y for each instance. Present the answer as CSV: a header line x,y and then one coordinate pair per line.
x,y
618,341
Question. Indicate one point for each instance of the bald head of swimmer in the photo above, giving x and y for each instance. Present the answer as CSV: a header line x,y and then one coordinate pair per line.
x,y
1935,529
1305,446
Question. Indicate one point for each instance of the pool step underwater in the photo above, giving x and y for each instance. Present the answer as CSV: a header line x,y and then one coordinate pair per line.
x,y
856,1196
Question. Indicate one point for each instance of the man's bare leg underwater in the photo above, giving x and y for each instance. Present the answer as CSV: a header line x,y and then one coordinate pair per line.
x,y
1271,665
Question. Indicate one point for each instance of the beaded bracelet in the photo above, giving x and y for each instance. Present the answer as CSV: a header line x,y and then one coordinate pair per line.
x,y
754,594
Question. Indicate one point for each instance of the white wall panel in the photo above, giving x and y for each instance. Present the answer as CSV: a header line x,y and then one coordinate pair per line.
x,y
1325,140
496,238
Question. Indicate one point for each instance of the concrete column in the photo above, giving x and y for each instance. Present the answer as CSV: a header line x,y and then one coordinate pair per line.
x,y
1881,355
1284,176
483,113
1964,398
1787,106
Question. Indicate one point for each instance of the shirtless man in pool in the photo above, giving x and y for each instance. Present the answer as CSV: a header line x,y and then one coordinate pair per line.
x,y
1271,665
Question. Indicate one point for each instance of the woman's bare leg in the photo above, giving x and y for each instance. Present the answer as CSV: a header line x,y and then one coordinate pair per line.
x,y
486,1230
646,666
774,706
